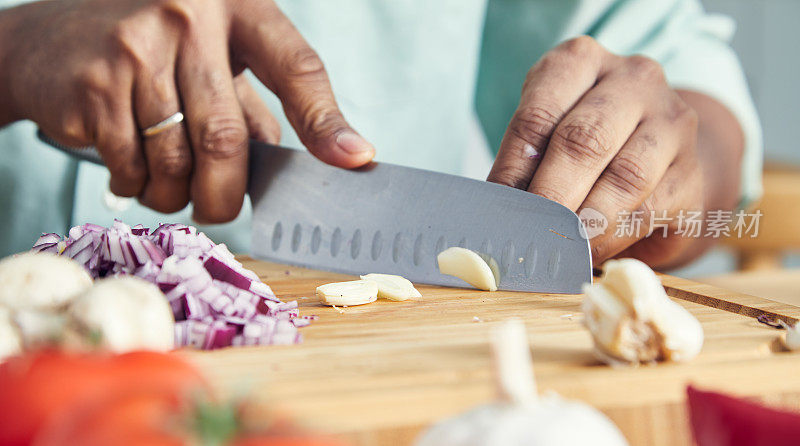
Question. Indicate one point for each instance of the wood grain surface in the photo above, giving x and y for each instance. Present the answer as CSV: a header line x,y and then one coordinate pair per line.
x,y
378,374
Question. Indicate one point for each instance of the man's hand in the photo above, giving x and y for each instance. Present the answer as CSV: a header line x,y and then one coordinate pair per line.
x,y
100,71
600,131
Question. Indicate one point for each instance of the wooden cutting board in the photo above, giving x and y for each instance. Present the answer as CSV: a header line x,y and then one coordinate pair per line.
x,y
378,374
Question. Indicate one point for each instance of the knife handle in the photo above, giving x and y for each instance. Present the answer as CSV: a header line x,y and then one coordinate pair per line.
x,y
90,154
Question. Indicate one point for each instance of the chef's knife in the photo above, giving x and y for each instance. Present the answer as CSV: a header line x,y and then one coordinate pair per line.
x,y
393,219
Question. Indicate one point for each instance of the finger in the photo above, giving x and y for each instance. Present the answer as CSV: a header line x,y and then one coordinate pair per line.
x,y
261,124
268,44
216,126
591,134
629,179
553,86
169,157
656,220
116,133
681,190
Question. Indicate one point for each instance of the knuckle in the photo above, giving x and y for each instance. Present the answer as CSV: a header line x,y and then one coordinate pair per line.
x,y
95,77
683,114
581,46
304,63
643,67
223,138
126,37
180,12
123,167
533,124
323,121
549,193
73,129
584,142
626,174
173,163
218,214
511,176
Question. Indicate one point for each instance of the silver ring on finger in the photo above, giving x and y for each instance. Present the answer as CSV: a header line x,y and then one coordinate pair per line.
x,y
171,121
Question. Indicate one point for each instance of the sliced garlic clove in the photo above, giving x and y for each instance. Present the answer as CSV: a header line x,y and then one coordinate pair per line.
x,y
792,339
392,287
468,266
354,292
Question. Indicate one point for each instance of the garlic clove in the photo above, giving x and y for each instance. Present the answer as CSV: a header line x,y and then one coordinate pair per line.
x,y
468,266
354,292
635,283
792,338
392,287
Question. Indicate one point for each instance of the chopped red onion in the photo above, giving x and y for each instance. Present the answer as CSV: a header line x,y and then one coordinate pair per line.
x,y
215,300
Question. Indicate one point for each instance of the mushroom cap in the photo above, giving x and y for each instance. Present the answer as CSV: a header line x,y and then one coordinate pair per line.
x,y
41,281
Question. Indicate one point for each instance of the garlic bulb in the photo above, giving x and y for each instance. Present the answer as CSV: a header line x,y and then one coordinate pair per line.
x,y
632,319
520,417
124,313
41,281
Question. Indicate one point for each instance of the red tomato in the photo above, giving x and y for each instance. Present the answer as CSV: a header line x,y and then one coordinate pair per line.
x,y
40,388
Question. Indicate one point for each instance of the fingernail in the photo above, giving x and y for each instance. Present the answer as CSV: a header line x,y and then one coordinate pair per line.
x,y
351,143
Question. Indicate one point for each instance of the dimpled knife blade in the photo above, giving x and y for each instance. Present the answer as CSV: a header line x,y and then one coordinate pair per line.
x,y
391,219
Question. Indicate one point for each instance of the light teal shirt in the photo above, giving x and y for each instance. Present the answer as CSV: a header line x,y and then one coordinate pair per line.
x,y
431,84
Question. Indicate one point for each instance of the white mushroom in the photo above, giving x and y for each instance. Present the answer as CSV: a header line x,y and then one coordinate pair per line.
x,y
40,328
10,339
632,319
521,417
124,313
41,281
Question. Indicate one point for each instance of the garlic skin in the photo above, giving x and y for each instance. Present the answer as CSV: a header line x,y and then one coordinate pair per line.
x,y
468,266
632,320
41,281
792,338
124,313
10,339
392,287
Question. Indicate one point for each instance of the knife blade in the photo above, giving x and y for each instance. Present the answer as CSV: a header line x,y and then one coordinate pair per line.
x,y
394,219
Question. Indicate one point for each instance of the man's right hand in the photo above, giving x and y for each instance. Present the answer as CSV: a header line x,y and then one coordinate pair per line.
x,y
98,72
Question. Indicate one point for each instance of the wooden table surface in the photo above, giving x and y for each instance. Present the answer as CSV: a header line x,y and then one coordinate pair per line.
x,y
380,373
781,285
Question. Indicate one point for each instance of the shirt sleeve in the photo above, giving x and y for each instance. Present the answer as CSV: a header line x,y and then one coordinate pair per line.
x,y
693,48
